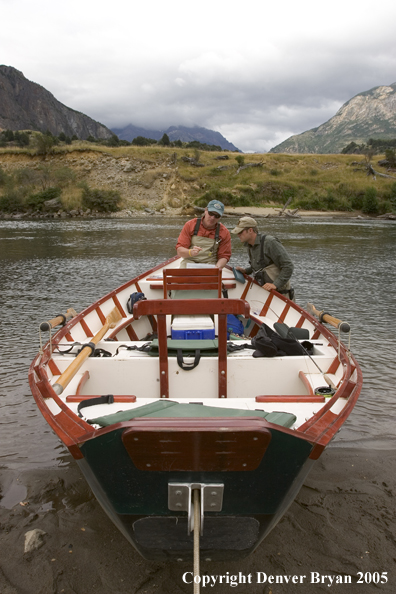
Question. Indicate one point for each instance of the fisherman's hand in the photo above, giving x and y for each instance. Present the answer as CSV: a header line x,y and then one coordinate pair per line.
x,y
194,251
240,269
269,287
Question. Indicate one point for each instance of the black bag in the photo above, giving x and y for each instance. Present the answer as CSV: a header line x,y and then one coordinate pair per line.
x,y
263,343
133,299
268,343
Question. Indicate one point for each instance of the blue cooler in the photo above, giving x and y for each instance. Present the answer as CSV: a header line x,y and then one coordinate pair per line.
x,y
192,328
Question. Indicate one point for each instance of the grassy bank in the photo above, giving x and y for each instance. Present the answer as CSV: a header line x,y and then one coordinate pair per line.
x,y
83,177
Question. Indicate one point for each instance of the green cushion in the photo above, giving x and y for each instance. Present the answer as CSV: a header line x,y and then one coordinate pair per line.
x,y
188,346
195,294
168,408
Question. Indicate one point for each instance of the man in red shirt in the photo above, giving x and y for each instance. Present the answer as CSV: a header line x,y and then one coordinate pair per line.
x,y
205,240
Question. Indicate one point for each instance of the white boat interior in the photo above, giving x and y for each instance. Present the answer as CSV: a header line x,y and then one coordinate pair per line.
x,y
135,377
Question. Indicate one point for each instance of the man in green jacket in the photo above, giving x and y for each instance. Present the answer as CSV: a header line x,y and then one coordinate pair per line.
x,y
269,262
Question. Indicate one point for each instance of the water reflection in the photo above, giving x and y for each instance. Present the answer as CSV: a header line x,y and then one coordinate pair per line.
x,y
342,266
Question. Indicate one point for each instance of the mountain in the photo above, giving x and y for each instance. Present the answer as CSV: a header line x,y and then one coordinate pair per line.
x,y
177,133
371,114
25,105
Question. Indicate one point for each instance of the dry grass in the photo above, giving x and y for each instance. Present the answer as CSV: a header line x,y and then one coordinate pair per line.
x,y
326,182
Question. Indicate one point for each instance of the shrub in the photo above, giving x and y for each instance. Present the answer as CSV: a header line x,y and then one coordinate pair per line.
x,y
143,141
36,201
3,177
385,206
100,200
370,201
390,156
227,198
45,144
357,201
392,196
11,202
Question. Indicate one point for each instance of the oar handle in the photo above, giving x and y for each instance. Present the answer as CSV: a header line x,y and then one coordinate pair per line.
x,y
60,319
343,326
329,319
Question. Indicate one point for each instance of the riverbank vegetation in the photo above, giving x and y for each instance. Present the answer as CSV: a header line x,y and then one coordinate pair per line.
x,y
81,177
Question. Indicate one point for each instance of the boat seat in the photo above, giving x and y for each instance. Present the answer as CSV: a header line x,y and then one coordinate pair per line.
x,y
195,283
286,332
167,408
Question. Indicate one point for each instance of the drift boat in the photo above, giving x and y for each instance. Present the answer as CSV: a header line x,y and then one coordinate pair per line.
x,y
188,436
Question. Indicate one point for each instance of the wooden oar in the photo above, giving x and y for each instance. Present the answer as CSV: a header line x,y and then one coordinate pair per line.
x,y
325,317
60,319
112,319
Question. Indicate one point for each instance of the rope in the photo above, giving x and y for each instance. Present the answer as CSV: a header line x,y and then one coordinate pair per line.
x,y
197,527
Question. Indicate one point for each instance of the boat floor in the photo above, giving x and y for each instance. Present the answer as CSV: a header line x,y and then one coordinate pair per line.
x,y
278,384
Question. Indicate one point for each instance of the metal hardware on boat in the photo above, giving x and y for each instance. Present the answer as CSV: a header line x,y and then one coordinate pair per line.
x,y
180,499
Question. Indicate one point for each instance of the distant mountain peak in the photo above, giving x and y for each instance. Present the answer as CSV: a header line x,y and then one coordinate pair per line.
x,y
370,114
183,133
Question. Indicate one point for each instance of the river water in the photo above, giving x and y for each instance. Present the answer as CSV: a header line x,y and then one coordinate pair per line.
x,y
344,266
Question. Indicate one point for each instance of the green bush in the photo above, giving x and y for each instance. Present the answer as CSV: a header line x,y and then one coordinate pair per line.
x,y
370,201
45,144
385,206
357,201
227,198
3,177
36,201
100,200
11,202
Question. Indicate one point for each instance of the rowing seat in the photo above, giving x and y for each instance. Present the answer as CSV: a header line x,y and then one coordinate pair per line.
x,y
196,283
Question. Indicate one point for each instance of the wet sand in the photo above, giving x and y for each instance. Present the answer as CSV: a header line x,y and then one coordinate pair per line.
x,y
342,523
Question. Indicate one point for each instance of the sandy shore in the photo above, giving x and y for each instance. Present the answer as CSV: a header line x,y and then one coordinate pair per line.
x,y
342,525
259,211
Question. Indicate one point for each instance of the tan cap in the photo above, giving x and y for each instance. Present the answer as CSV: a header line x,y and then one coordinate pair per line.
x,y
244,223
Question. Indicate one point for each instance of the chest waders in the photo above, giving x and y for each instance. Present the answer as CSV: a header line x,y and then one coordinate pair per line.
x,y
208,253
267,274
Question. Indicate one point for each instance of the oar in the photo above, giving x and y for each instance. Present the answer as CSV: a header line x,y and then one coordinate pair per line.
x,y
325,317
60,319
112,319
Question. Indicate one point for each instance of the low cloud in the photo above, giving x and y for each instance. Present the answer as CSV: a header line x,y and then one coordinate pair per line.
x,y
256,76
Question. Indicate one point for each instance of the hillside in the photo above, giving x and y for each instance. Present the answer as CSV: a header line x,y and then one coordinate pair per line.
x,y
371,114
86,179
25,105
182,133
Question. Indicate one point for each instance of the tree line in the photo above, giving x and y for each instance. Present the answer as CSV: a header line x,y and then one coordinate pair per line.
x,y
49,140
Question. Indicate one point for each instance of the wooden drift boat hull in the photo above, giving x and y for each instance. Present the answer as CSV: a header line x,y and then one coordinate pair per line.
x,y
243,431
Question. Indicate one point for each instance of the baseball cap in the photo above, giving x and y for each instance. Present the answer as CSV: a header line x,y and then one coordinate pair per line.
x,y
216,206
244,223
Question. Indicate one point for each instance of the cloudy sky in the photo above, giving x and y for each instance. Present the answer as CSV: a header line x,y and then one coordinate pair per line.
x,y
257,71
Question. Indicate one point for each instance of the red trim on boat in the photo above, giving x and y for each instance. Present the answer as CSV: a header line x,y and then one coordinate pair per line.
x,y
53,367
82,382
85,327
117,398
276,398
119,306
101,315
334,365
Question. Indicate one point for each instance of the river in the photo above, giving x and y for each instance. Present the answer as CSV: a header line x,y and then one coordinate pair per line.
x,y
344,266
